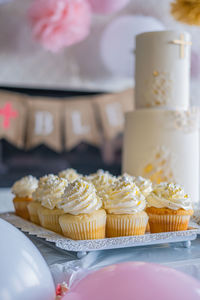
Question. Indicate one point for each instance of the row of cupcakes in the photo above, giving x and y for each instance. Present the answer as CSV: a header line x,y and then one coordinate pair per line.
x,y
99,205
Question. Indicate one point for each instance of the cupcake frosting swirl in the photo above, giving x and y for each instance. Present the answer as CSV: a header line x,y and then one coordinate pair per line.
x,y
144,184
80,198
169,195
25,186
124,197
69,174
49,191
102,180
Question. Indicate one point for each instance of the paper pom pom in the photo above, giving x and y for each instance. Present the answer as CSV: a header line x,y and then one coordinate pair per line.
x,y
60,23
107,6
186,11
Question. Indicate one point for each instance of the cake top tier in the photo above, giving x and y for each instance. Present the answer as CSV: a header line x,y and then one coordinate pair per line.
x,y
162,70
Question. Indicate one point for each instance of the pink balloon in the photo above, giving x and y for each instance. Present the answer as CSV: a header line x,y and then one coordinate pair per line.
x,y
135,280
107,6
117,48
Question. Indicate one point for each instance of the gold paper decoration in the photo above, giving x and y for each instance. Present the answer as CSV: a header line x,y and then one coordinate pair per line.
x,y
186,11
13,118
44,123
80,123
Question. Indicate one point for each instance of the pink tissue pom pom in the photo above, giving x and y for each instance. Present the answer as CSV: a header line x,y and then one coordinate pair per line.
x,y
107,6
59,23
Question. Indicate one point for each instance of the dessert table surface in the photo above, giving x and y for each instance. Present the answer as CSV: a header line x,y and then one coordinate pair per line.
x,y
65,266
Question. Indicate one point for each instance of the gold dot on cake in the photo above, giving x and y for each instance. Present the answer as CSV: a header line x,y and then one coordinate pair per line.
x,y
148,168
155,73
157,102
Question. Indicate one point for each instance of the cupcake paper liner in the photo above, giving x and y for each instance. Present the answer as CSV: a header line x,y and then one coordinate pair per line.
x,y
126,225
165,223
21,208
87,228
33,212
49,219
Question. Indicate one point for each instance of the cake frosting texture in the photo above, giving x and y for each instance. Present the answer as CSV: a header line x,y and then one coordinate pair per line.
x,y
162,73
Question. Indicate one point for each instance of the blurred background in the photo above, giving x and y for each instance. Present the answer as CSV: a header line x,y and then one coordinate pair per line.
x,y
72,60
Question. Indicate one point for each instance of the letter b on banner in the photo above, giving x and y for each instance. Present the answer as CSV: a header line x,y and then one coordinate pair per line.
x,y
43,123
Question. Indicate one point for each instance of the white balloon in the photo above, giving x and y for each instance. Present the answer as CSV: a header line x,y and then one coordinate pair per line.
x,y
24,274
118,42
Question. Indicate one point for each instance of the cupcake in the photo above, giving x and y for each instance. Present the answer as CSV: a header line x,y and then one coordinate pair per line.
x,y
69,174
83,218
49,192
34,205
144,184
169,208
102,181
125,206
23,190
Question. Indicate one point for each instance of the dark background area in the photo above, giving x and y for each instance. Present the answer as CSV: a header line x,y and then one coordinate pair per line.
x,y
16,163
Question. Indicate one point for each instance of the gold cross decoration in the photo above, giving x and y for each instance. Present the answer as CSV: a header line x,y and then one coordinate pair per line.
x,y
182,43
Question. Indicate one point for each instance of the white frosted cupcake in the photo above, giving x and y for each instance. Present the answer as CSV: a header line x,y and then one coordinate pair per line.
x,y
49,193
23,190
102,180
125,206
144,184
69,174
169,208
83,217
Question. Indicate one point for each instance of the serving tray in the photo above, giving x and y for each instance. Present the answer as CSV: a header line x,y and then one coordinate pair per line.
x,y
84,246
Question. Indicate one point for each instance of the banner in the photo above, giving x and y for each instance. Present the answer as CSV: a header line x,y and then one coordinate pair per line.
x,y
111,110
13,118
80,123
45,120
44,123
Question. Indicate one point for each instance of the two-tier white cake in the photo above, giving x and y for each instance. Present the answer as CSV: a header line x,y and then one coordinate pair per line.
x,y
161,140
